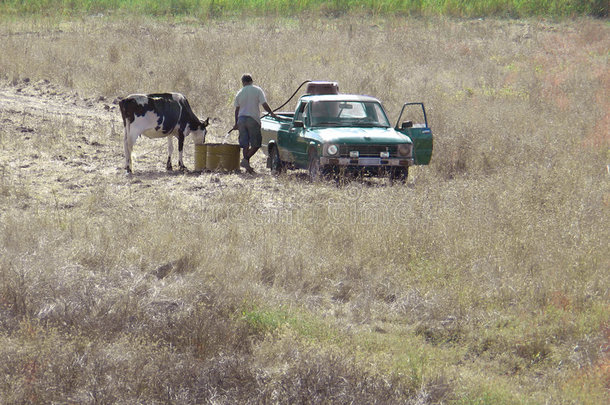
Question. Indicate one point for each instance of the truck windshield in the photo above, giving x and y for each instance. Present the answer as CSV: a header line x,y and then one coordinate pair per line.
x,y
347,113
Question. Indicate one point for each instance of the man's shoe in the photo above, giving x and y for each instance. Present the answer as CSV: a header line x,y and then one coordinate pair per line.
x,y
250,170
245,163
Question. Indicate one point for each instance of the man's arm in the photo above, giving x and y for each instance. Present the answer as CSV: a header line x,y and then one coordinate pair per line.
x,y
268,109
236,116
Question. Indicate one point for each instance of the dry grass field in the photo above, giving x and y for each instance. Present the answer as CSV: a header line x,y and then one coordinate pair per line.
x,y
482,280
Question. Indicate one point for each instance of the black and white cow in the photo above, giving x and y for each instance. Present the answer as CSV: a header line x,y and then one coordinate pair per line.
x,y
158,116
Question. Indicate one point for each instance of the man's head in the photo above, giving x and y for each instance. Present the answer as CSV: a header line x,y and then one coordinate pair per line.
x,y
246,79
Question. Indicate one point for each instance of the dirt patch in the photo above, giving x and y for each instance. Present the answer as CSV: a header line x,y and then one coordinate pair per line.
x,y
60,147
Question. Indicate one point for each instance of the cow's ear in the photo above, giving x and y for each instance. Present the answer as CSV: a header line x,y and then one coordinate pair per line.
x,y
206,122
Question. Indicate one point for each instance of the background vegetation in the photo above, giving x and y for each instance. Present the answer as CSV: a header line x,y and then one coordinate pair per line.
x,y
211,8
483,280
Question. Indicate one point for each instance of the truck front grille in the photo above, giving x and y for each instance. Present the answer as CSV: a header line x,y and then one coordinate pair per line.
x,y
368,150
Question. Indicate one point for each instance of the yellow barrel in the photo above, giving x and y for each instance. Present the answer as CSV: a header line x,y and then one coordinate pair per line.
x,y
200,156
222,156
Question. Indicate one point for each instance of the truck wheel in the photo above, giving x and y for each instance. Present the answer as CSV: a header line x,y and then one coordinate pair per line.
x,y
313,167
399,174
276,163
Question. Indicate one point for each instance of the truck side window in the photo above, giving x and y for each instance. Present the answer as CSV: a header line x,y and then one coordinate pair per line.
x,y
301,113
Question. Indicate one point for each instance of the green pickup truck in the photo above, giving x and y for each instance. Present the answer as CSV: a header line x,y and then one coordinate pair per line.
x,y
345,134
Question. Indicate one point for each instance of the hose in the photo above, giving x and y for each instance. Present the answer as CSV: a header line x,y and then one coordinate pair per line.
x,y
290,98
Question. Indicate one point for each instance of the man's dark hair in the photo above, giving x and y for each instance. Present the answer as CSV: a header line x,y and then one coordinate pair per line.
x,y
247,78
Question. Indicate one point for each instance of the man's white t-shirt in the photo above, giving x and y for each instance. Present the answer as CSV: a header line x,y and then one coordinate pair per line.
x,y
249,99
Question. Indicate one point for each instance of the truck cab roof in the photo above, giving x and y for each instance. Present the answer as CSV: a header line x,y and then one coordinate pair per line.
x,y
339,97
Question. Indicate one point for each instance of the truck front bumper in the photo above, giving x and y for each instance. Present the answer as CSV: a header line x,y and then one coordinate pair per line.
x,y
365,161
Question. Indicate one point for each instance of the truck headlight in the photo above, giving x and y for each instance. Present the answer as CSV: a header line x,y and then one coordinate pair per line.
x,y
332,150
404,149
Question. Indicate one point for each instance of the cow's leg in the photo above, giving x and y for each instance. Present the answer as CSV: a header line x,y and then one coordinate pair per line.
x,y
180,147
170,150
128,145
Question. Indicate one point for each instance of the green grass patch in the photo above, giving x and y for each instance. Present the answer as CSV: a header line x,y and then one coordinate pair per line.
x,y
212,8
271,320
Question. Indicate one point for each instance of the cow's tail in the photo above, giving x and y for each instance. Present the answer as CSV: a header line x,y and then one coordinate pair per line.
x,y
126,141
126,123
122,107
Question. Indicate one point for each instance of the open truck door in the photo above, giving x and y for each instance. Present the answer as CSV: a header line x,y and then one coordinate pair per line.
x,y
415,126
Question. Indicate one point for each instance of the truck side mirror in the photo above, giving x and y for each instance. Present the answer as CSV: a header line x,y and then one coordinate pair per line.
x,y
298,124
407,124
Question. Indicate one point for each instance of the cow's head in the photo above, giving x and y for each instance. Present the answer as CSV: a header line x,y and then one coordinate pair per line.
x,y
200,131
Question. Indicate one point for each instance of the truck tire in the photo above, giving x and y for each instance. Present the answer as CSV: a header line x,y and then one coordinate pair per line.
x,y
276,162
313,167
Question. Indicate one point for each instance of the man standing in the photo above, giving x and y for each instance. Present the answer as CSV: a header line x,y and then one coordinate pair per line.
x,y
247,118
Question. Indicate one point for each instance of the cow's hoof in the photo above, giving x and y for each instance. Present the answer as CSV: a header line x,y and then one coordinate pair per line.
x,y
169,169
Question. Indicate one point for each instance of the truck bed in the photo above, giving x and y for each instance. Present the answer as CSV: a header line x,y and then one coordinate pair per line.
x,y
282,116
